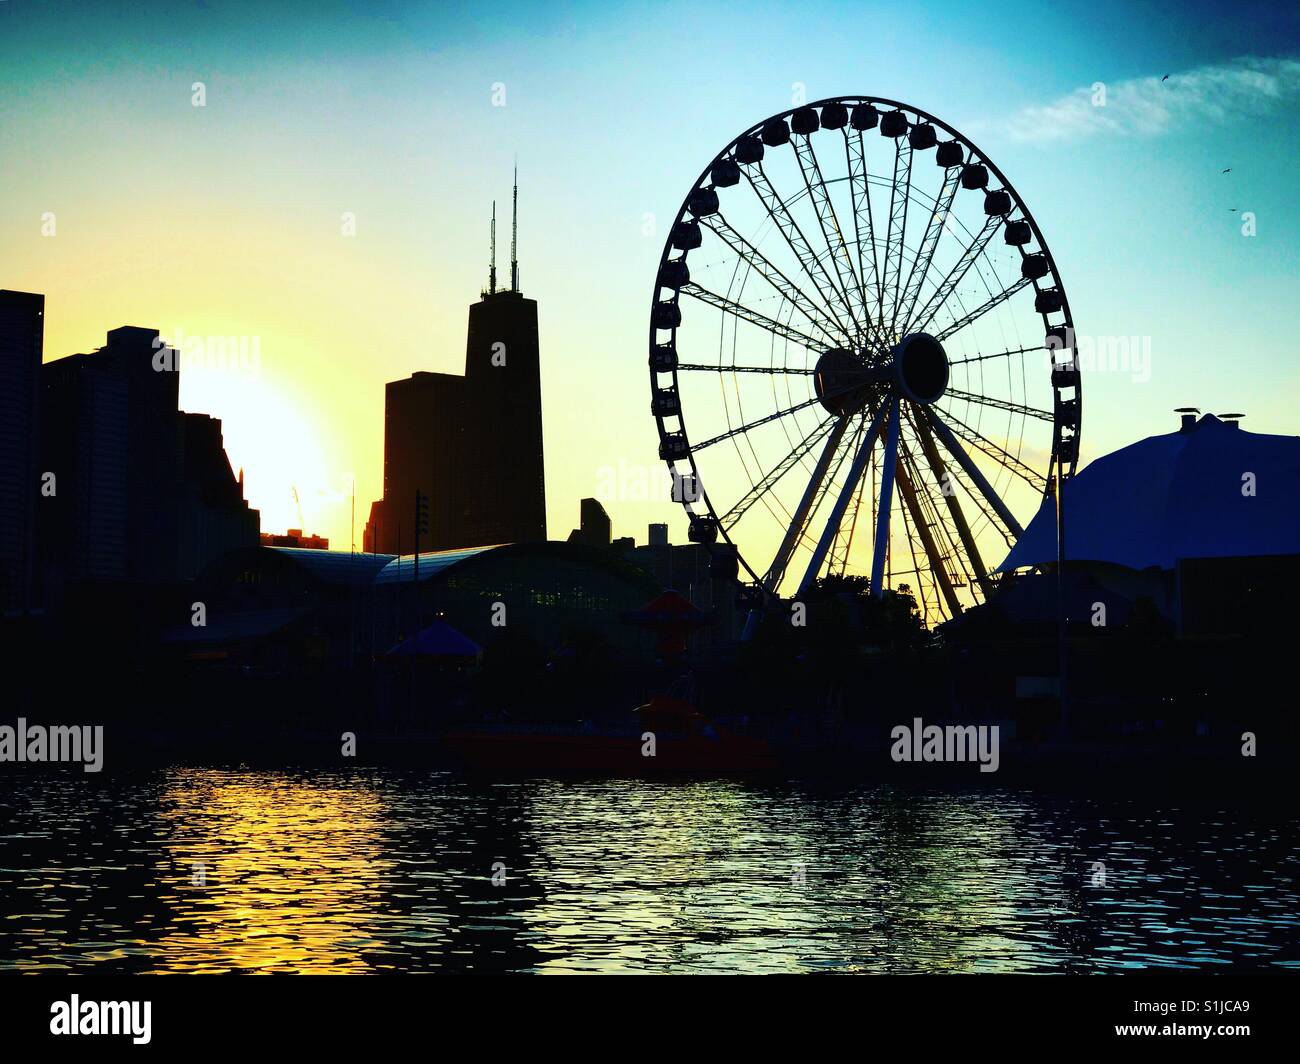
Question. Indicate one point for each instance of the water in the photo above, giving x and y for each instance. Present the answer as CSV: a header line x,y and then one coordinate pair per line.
x,y
369,870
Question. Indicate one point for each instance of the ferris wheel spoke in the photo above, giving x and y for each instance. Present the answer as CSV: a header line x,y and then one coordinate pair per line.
x,y
945,434
798,243
842,501
851,291
774,277
737,310
739,430
1003,404
982,309
722,367
933,231
895,231
941,478
799,519
998,453
945,288
996,354
938,564
732,517
860,197
742,429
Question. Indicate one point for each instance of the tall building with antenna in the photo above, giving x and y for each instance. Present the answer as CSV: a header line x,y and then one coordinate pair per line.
x,y
471,444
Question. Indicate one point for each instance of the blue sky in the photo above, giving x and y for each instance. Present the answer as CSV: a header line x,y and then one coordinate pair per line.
x,y
225,219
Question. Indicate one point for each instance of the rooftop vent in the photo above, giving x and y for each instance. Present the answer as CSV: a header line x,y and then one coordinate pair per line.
x,y
1188,421
1232,420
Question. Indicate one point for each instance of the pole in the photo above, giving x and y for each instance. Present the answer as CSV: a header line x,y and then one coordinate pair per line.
x,y
514,233
352,537
1063,645
415,569
415,604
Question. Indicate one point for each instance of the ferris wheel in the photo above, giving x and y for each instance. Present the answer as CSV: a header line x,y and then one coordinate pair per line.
x,y
861,356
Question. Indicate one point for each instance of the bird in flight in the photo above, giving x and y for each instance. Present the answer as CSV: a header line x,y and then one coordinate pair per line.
x,y
1227,171
1165,78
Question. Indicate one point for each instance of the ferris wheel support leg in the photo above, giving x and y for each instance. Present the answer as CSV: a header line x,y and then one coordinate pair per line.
x,y
972,470
800,520
935,461
886,493
924,533
842,503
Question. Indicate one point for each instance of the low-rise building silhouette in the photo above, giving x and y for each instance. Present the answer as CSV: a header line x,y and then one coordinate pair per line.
x,y
295,537
594,527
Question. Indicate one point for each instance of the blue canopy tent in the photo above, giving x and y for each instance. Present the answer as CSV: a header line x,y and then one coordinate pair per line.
x,y
438,640
1211,490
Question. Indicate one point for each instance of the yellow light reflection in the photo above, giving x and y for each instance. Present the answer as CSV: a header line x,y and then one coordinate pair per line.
x,y
271,873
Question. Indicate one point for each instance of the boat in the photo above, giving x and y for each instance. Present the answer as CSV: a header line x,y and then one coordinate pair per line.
x,y
667,736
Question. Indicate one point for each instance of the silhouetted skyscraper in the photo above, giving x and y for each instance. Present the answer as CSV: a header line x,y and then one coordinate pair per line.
x,y
112,439
83,527
144,491
504,472
472,444
424,422
22,332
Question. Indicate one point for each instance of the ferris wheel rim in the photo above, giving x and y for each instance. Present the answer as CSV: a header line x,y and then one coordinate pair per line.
x,y
1062,461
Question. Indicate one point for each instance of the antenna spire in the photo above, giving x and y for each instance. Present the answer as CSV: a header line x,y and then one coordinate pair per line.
x,y
514,234
492,270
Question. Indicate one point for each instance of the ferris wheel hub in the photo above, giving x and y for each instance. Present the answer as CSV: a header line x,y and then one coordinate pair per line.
x,y
844,382
916,369
920,368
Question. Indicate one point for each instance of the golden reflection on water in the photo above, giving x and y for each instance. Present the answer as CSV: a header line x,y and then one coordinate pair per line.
x,y
368,870
270,873
702,877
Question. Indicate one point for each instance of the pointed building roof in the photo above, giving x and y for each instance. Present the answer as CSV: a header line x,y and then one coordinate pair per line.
x,y
1212,490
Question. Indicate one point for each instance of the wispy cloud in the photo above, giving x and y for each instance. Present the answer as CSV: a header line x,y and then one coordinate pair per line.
x,y
1248,86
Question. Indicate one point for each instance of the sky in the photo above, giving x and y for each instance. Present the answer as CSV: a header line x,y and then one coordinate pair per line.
x,y
228,219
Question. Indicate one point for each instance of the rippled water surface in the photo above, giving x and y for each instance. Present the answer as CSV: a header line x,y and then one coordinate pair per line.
x,y
203,870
